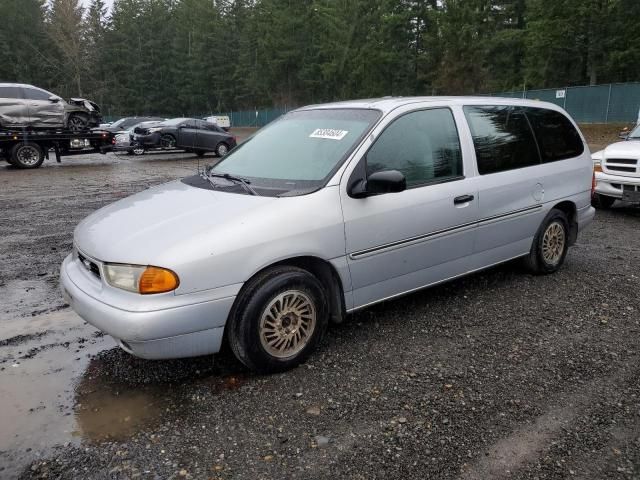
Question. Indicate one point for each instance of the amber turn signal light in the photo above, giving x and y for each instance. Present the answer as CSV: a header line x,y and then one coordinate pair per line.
x,y
158,280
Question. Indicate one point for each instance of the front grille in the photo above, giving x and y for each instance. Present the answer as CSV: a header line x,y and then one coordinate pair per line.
x,y
89,265
623,165
617,168
623,161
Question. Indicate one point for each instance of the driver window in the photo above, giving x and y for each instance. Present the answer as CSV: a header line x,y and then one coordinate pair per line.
x,y
423,145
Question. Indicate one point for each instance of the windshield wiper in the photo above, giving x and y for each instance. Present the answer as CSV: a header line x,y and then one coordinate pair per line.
x,y
245,183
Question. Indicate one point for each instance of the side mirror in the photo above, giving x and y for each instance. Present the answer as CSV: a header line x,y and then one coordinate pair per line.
x,y
54,99
623,135
384,181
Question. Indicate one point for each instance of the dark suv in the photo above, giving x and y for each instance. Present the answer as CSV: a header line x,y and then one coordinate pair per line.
x,y
26,106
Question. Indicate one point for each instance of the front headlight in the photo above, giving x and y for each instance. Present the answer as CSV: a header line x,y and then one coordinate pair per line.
x,y
140,279
154,129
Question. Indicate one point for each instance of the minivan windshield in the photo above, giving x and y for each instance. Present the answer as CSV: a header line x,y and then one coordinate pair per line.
x,y
298,153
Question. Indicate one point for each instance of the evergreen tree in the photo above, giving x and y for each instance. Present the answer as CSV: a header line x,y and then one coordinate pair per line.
x,y
65,28
24,47
187,57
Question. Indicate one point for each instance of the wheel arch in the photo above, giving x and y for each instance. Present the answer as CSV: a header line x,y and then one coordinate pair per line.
x,y
77,113
323,270
570,210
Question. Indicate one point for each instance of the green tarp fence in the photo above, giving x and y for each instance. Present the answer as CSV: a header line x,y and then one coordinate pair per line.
x,y
610,103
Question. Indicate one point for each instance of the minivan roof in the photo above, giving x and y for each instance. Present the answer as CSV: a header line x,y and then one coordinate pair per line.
x,y
386,104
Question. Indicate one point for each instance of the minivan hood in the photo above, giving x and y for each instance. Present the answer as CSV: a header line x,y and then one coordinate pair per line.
x,y
140,228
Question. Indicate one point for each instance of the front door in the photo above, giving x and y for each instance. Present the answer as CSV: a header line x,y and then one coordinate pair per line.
x,y
188,135
398,242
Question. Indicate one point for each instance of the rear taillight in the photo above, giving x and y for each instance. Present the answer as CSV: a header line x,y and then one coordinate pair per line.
x,y
593,183
113,141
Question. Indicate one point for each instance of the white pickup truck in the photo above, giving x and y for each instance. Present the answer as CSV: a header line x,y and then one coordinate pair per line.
x,y
617,171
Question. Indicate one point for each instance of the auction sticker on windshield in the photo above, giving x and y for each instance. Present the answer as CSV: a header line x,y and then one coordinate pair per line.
x,y
329,133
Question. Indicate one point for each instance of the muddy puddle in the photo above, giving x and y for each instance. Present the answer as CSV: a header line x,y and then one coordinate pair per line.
x,y
62,382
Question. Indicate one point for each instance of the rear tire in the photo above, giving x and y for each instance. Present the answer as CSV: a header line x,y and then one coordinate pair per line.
x,y
602,202
27,155
222,149
278,320
550,244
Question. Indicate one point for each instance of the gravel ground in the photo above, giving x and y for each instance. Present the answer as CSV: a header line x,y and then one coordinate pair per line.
x,y
498,375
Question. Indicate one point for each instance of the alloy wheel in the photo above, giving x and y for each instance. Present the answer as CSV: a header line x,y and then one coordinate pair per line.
x,y
287,324
553,243
28,155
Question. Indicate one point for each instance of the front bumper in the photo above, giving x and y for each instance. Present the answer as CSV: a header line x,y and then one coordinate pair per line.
x,y
185,330
150,140
123,146
611,185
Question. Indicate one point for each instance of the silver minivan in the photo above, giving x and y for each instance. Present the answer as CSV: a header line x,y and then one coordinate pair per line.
x,y
328,210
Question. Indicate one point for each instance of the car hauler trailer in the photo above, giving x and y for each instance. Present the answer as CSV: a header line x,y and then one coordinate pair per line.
x,y
29,148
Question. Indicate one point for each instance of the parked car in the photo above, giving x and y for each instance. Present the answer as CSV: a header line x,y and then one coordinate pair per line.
x,y
127,123
189,134
123,141
328,210
617,171
223,121
32,107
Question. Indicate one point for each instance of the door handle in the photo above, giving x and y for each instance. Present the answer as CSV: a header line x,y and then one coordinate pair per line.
x,y
463,199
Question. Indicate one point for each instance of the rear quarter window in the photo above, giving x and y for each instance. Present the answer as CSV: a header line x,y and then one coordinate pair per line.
x,y
557,138
502,138
10,92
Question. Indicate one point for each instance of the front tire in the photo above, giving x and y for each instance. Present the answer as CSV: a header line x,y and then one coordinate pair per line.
x,y
137,150
602,201
278,320
27,155
550,245
168,141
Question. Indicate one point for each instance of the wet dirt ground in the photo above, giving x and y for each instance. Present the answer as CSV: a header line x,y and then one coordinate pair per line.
x,y
498,375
